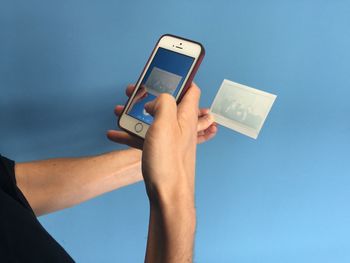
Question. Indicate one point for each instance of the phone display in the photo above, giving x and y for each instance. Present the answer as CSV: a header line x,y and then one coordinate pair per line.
x,y
165,74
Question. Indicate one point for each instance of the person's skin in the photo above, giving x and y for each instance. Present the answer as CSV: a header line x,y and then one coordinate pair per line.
x,y
206,128
168,169
55,184
169,172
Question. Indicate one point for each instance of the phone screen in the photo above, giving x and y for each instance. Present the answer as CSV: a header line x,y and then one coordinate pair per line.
x,y
165,74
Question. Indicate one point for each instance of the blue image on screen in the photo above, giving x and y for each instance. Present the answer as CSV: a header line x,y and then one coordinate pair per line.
x,y
165,74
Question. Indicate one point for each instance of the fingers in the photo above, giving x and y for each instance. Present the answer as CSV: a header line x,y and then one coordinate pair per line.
x,y
203,111
130,89
162,108
208,134
125,138
205,120
118,110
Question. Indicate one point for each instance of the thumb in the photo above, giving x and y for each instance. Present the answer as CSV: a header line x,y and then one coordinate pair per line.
x,y
163,107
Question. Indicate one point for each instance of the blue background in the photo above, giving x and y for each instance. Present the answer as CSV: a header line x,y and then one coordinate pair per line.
x,y
281,198
169,61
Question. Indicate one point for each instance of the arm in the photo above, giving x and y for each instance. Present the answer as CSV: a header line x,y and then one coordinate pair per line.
x,y
168,166
171,230
56,184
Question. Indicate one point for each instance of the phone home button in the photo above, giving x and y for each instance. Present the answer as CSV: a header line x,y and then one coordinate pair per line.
x,y
138,127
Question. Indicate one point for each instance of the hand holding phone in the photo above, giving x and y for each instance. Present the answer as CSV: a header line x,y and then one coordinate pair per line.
x,y
170,69
206,127
168,169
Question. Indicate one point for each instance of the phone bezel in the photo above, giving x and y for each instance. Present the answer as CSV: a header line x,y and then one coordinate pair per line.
x,y
172,43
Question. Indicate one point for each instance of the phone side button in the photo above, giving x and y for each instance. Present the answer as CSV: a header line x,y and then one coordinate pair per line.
x,y
138,127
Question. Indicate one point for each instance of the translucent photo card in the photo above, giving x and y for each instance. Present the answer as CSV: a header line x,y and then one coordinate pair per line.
x,y
241,108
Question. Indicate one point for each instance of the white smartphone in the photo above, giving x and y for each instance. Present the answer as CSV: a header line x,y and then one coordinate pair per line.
x,y
170,69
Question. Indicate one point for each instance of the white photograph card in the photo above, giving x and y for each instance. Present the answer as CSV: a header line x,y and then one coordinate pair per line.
x,y
241,108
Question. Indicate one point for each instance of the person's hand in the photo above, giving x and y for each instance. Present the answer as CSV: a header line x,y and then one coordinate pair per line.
x,y
169,150
168,168
206,128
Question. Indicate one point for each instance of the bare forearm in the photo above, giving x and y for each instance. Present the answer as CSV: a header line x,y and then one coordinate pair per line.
x,y
55,184
171,230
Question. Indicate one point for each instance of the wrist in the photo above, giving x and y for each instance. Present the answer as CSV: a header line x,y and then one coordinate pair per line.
x,y
171,231
179,212
179,198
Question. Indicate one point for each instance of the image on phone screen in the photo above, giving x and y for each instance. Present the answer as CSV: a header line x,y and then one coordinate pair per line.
x,y
165,74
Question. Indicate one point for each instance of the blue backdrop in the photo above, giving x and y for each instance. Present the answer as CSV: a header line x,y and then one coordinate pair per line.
x,y
281,198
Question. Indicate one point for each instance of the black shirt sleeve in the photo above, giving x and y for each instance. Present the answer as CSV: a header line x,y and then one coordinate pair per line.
x,y
22,237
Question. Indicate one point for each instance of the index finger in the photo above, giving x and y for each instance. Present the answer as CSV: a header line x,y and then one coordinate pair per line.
x,y
130,89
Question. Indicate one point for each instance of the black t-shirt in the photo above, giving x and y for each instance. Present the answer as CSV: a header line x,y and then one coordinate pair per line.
x,y
22,237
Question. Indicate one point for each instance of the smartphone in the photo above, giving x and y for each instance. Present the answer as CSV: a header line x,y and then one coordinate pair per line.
x,y
170,69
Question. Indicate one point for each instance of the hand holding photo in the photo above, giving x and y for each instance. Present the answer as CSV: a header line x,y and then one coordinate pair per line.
x,y
241,108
